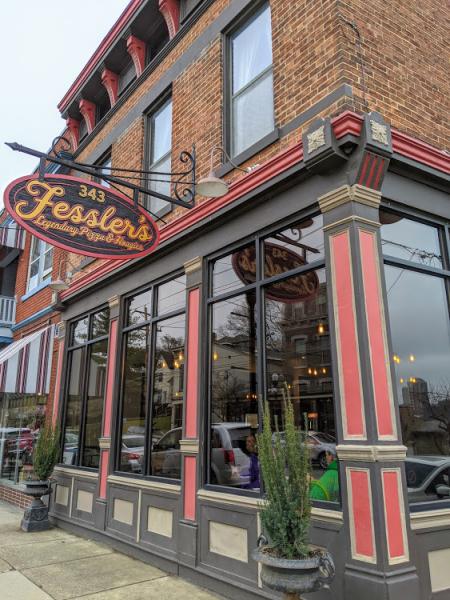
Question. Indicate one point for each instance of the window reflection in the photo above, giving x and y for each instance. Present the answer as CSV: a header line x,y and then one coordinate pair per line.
x,y
410,240
172,295
168,387
94,409
294,246
419,321
234,401
73,408
234,270
134,399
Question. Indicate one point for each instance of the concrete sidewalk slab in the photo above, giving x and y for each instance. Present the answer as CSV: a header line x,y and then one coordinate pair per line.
x,y
17,537
90,575
46,553
14,586
164,588
4,566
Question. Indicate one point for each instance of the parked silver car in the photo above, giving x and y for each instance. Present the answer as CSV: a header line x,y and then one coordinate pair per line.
x,y
318,443
427,477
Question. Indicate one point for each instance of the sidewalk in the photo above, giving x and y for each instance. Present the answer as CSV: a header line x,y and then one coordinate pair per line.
x,y
55,565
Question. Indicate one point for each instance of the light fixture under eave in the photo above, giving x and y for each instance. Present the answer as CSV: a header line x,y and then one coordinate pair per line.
x,y
212,186
58,285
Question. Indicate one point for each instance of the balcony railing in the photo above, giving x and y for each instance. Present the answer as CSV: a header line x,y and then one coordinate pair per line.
x,y
7,310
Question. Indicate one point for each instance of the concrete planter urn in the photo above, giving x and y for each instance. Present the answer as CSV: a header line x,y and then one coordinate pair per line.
x,y
35,517
294,577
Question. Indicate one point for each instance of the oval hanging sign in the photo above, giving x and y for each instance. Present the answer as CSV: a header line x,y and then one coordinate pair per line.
x,y
81,216
277,260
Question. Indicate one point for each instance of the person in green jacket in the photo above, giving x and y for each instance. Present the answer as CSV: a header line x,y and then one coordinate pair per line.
x,y
327,487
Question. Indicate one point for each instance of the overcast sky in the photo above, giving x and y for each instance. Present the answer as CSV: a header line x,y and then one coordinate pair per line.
x,y
44,44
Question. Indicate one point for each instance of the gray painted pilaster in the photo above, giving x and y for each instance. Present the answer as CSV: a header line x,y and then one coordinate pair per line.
x,y
371,457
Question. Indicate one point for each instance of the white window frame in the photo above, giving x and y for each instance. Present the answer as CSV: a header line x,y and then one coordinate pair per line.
x,y
42,273
156,165
267,71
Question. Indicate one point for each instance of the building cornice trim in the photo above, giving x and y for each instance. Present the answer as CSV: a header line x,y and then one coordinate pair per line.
x,y
366,453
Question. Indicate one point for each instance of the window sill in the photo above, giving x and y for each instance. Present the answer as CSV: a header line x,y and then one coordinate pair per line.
x,y
243,157
35,290
78,471
428,519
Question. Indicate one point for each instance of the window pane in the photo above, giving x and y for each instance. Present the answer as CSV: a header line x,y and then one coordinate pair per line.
x,y
94,409
298,365
235,270
160,184
251,48
161,132
48,257
234,400
100,323
168,393
253,114
410,240
35,248
73,408
80,331
134,399
140,308
172,295
419,320
293,247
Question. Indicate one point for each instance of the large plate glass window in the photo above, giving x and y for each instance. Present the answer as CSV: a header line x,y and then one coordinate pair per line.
x,y
159,128
417,284
87,359
41,259
269,339
153,381
251,81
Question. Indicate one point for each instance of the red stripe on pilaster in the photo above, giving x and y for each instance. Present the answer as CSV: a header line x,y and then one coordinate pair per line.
x,y
192,363
376,183
364,168
394,516
361,515
376,329
104,462
373,166
110,381
59,373
346,337
190,487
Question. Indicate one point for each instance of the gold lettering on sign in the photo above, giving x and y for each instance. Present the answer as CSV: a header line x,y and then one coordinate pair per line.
x,y
106,220
316,139
379,132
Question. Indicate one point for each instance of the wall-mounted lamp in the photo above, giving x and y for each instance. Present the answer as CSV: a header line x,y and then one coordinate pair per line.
x,y
59,284
213,186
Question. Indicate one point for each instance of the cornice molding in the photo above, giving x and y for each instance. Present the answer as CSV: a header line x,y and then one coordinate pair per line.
x,y
189,446
193,265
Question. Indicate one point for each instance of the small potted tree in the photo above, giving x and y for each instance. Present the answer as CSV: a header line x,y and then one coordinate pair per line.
x,y
45,456
289,563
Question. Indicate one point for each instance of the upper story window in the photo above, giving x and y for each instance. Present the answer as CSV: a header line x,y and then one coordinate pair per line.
x,y
41,258
105,163
417,275
159,154
251,82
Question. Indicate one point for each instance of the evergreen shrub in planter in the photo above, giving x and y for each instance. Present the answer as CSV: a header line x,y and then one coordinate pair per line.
x,y
289,563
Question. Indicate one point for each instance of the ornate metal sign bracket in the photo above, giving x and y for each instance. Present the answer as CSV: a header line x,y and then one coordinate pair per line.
x,y
183,182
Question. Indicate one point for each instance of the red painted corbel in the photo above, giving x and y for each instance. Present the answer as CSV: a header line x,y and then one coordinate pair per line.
x,y
137,49
73,127
87,109
110,81
170,10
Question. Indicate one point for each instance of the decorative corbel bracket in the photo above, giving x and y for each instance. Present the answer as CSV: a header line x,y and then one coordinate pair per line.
x,y
73,128
137,49
320,149
88,109
110,81
170,10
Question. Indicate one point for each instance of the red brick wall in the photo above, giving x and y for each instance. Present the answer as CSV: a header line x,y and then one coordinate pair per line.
x,y
14,496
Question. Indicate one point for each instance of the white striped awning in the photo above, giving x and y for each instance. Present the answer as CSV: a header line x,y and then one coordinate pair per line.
x,y
11,234
25,365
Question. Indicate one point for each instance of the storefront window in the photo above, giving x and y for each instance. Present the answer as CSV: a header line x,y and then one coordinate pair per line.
x,y
153,381
86,384
420,329
290,358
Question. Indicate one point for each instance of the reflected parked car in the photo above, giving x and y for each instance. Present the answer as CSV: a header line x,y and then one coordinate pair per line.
x,y
318,443
132,452
166,457
230,463
427,478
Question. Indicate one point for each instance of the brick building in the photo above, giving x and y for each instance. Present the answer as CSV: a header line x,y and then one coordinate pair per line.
x,y
324,270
